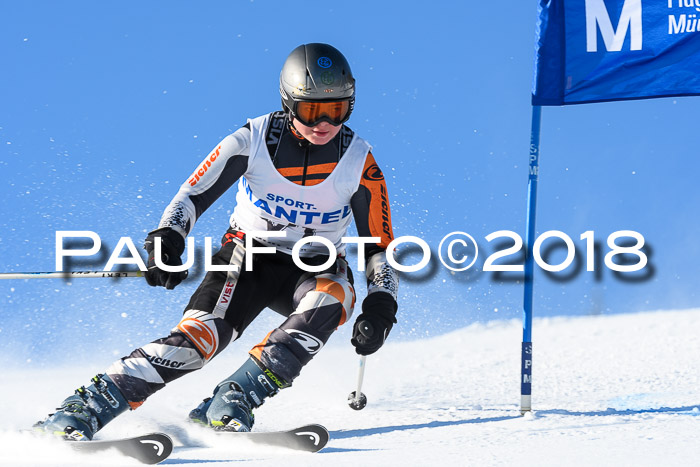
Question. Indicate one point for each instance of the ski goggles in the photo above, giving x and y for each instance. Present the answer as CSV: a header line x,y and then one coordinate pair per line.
x,y
311,113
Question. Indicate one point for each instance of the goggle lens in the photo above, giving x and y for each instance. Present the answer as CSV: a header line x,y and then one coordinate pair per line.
x,y
311,113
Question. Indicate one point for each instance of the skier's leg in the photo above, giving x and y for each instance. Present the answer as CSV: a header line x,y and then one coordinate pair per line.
x,y
197,338
321,303
129,381
201,334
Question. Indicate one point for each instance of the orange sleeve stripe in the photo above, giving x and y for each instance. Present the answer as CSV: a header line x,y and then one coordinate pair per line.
x,y
379,209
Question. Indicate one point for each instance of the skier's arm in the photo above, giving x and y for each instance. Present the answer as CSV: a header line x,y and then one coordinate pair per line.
x,y
372,213
226,163
219,170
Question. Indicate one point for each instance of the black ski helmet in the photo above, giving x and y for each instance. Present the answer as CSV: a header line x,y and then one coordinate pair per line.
x,y
316,72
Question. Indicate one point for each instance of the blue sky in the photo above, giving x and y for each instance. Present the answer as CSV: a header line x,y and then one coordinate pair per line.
x,y
107,107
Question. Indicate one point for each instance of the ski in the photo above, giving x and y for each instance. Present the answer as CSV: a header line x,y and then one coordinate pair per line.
x,y
309,438
151,448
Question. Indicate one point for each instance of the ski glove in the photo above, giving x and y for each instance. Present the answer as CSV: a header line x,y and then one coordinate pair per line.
x,y
172,247
374,323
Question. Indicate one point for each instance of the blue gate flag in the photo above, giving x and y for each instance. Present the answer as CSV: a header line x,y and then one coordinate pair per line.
x,y
606,50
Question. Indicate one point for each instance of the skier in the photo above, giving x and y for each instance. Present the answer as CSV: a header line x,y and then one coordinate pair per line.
x,y
299,172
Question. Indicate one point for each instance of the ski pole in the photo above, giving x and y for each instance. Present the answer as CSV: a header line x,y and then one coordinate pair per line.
x,y
68,274
357,399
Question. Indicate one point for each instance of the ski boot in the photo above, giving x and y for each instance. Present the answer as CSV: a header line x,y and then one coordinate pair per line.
x,y
227,410
231,406
81,415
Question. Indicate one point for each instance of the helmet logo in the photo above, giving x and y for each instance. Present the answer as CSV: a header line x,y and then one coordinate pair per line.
x,y
327,78
324,62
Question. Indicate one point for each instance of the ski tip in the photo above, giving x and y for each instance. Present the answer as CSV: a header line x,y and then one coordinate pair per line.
x,y
315,437
151,448
160,444
309,438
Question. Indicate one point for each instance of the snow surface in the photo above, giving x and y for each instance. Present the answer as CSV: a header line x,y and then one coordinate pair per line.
x,y
608,390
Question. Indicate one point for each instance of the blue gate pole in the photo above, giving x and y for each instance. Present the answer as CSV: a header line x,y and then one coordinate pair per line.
x,y
526,355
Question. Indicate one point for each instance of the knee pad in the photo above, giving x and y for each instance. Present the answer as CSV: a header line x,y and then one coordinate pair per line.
x,y
207,333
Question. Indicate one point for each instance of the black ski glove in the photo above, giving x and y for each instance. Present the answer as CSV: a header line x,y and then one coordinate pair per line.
x,y
373,325
172,247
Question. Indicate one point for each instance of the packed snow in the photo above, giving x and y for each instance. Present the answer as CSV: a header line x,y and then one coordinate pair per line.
x,y
607,390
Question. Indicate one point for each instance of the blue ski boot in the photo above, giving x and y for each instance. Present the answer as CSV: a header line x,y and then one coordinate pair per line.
x,y
81,415
227,410
231,406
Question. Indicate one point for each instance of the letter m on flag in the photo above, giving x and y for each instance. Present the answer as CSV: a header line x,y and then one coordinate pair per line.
x,y
597,17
